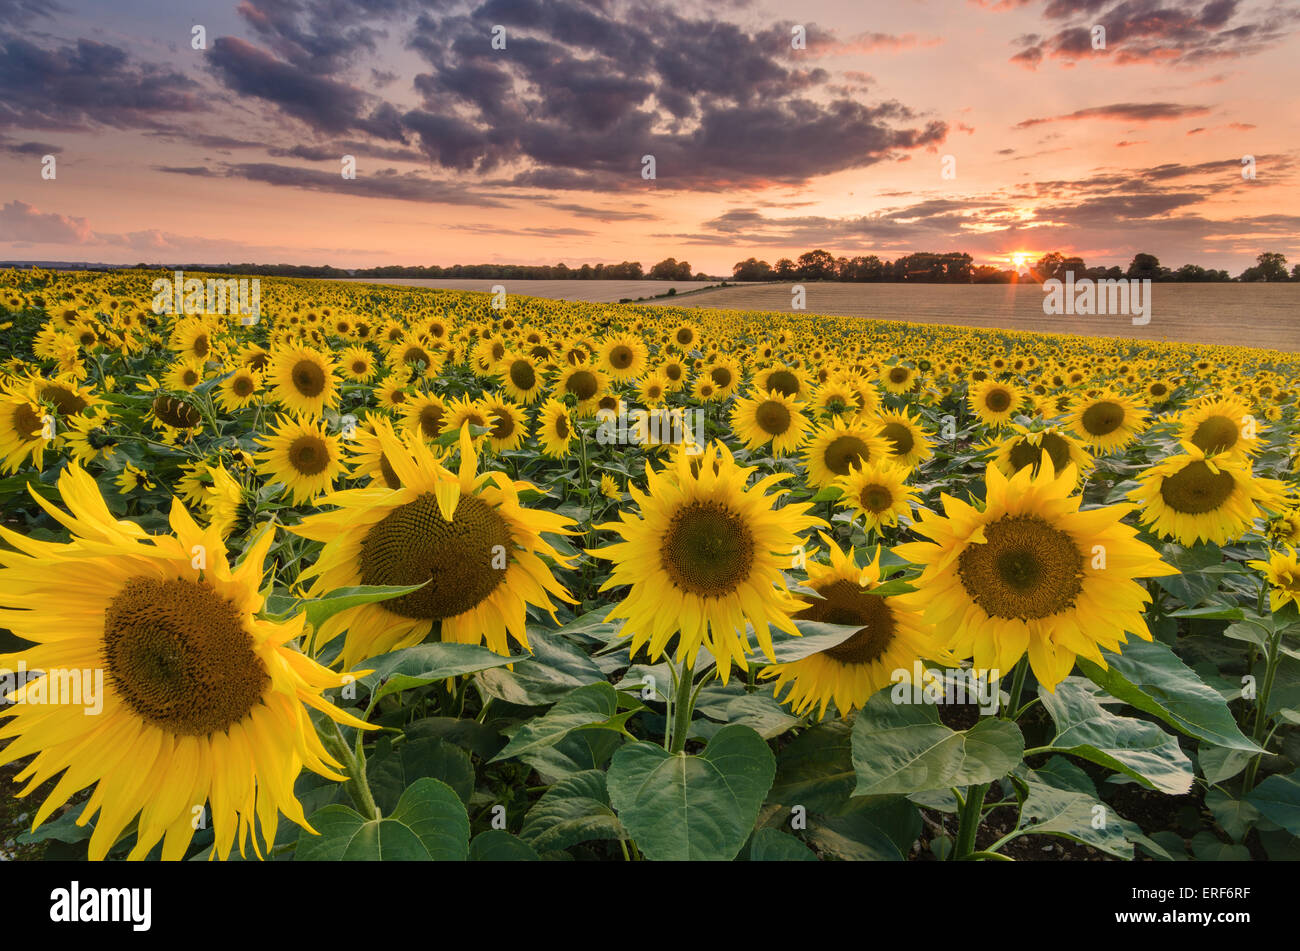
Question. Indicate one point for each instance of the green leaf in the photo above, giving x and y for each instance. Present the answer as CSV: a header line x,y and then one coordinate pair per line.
x,y
1278,800
1134,747
1234,816
771,845
1077,816
391,770
320,610
1207,847
498,845
580,750
1218,764
904,748
815,769
555,668
1150,676
426,664
692,807
576,809
853,838
758,710
429,824
595,705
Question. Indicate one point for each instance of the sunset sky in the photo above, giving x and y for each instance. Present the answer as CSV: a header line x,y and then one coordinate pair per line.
x,y
532,154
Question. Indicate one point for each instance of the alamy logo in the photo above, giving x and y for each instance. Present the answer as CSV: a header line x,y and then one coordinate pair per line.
x,y
1106,296
190,296
652,427
925,685
75,904
64,686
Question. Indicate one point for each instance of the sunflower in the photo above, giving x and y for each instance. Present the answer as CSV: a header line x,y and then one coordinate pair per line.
x,y
652,389
520,378
182,376
239,389
1030,572
1204,496
203,701
609,487
585,384
836,398
464,535
89,436
878,492
686,336
703,558
1286,526
675,372
1158,391
357,364
425,414
223,501
461,411
623,356
993,402
726,376
415,356
837,445
391,393
23,431
1027,448
302,456
1221,425
368,459
898,379
909,444
1282,572
786,380
302,380
507,422
774,418
555,429
1107,421
132,479
892,637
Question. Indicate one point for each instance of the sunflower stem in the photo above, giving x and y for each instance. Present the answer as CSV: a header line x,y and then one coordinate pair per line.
x,y
1012,709
1261,711
969,821
683,707
354,766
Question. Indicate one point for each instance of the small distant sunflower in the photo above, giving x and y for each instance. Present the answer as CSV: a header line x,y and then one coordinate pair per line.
x,y
1200,496
585,384
702,557
391,393
131,479
788,381
302,456
508,426
1282,572
182,376
1028,447
1221,425
302,380
1032,573
609,487
994,402
520,378
425,414
893,637
1286,526
623,356
837,446
652,389
772,418
898,379
555,430
239,390
204,701
464,535
726,375
357,364
909,445
675,372
878,492
1108,421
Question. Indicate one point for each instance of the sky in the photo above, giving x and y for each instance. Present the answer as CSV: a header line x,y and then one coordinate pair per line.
x,y
215,132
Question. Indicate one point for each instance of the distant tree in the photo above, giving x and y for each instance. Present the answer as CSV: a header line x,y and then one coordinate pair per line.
x,y
987,274
816,265
670,269
752,269
784,269
1295,273
1269,266
1144,267
1192,273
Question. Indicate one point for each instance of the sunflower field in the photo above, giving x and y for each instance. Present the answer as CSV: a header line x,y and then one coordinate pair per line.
x,y
385,572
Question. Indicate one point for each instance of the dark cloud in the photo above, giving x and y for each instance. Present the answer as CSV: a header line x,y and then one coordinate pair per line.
x,y
603,214
198,171
1126,111
86,84
29,148
1163,32
383,183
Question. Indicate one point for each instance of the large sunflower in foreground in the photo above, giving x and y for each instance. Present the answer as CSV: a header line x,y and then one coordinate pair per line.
x,y
892,637
202,701
1030,572
704,557
464,535
1199,496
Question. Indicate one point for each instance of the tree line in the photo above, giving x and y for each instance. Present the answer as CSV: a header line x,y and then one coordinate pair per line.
x,y
954,267
669,269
